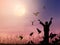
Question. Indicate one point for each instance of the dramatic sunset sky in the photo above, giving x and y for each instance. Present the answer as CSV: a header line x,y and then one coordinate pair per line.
x,y
16,16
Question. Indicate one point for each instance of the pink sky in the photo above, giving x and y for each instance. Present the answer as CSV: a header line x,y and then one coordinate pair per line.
x,y
10,23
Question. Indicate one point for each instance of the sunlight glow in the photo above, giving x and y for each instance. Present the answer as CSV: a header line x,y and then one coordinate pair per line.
x,y
19,10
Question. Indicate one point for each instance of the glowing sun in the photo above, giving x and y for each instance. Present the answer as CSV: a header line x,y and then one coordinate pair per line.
x,y
19,10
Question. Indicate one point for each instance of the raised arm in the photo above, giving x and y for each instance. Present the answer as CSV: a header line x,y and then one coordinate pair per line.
x,y
50,21
41,22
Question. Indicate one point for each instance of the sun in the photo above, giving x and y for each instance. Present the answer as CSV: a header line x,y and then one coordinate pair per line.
x,y
19,10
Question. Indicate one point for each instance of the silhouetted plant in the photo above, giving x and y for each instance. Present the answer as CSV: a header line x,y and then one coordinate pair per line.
x,y
56,42
30,42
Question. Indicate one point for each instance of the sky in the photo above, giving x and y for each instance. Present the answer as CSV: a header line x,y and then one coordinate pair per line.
x,y
16,16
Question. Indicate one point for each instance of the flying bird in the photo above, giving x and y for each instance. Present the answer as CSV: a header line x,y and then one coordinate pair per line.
x,y
51,18
36,13
32,42
21,37
52,35
38,20
31,33
44,7
33,22
38,31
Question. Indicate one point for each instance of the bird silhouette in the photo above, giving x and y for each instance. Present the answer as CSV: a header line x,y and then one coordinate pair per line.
x,y
52,35
31,33
33,22
38,20
36,13
38,31
51,18
44,7
21,37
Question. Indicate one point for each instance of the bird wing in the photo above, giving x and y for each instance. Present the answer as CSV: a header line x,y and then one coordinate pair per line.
x,y
32,23
44,7
31,33
52,35
36,14
21,37
38,31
